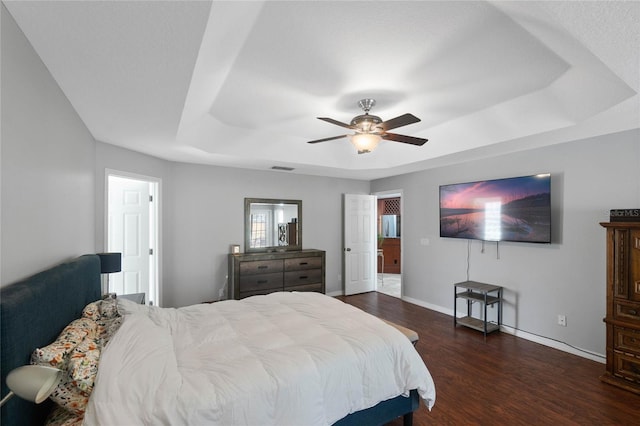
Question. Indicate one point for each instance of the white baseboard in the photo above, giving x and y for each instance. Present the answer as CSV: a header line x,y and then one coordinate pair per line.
x,y
522,334
564,347
561,346
436,308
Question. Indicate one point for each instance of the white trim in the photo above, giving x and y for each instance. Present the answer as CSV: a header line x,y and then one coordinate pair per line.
x,y
564,347
392,194
436,308
583,353
158,250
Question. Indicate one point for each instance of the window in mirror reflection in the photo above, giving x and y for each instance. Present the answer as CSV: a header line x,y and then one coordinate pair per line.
x,y
258,229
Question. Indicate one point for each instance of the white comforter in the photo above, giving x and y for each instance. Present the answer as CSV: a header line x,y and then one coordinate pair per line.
x,y
280,359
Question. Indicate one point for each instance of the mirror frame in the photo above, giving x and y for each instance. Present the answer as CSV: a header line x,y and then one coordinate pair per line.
x,y
247,225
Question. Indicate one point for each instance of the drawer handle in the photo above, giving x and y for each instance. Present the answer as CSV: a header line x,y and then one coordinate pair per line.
x,y
633,312
303,263
304,277
262,267
262,281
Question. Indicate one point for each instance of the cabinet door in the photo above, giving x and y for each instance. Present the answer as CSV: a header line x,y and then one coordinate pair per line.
x,y
634,267
621,263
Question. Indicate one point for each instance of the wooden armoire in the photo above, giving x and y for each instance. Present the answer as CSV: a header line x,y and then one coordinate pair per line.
x,y
623,305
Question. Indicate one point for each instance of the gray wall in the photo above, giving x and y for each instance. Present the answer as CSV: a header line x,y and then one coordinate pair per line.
x,y
202,214
589,177
206,214
47,171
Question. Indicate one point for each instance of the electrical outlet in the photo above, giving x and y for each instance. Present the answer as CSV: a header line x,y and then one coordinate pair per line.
x,y
562,320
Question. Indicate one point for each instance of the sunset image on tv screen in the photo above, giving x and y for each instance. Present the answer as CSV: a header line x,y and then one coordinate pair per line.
x,y
513,209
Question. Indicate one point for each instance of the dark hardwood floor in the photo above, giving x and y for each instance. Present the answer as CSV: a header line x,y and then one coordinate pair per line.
x,y
505,381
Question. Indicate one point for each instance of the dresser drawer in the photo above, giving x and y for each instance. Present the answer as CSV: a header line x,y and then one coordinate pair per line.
x,y
260,267
261,282
310,276
302,263
626,366
308,287
626,340
627,311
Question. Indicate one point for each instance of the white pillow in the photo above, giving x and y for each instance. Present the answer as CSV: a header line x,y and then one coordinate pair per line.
x,y
127,307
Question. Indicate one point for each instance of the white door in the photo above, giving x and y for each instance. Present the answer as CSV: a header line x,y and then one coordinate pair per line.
x,y
129,234
359,243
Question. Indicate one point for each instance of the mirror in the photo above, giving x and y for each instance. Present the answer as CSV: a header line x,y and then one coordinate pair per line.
x,y
272,225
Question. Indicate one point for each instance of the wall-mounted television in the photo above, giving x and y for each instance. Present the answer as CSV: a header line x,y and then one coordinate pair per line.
x,y
510,209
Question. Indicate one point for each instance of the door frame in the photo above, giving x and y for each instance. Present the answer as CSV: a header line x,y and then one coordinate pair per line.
x,y
371,234
392,194
156,223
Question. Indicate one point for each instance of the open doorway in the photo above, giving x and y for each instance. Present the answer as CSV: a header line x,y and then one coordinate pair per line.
x,y
132,228
389,229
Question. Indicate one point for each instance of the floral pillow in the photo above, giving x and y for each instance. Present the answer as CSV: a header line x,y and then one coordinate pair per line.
x,y
101,310
105,314
76,352
83,365
63,354
68,396
57,353
61,417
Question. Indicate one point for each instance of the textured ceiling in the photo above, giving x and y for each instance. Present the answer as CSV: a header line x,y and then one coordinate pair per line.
x,y
240,84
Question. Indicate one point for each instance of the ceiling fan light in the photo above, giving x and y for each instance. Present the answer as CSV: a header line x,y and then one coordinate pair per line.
x,y
365,142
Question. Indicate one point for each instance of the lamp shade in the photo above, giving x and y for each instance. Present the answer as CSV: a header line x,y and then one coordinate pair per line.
x,y
110,262
33,382
365,142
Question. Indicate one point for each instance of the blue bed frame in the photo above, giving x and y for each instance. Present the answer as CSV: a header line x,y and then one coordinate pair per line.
x,y
34,311
32,314
384,412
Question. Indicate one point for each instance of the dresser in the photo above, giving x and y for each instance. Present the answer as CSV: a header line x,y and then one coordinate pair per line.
x,y
623,305
262,273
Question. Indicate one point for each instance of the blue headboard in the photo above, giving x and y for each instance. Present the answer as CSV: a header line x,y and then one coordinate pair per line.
x,y
32,314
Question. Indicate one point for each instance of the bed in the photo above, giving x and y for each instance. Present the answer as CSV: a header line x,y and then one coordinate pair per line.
x,y
35,310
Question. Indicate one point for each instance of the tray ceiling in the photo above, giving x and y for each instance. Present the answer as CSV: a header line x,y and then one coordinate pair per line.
x,y
240,84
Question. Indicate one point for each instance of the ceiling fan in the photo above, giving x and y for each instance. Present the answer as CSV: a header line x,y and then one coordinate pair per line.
x,y
370,129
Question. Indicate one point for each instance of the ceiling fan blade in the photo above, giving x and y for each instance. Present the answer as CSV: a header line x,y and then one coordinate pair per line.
x,y
328,139
336,122
404,139
400,121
